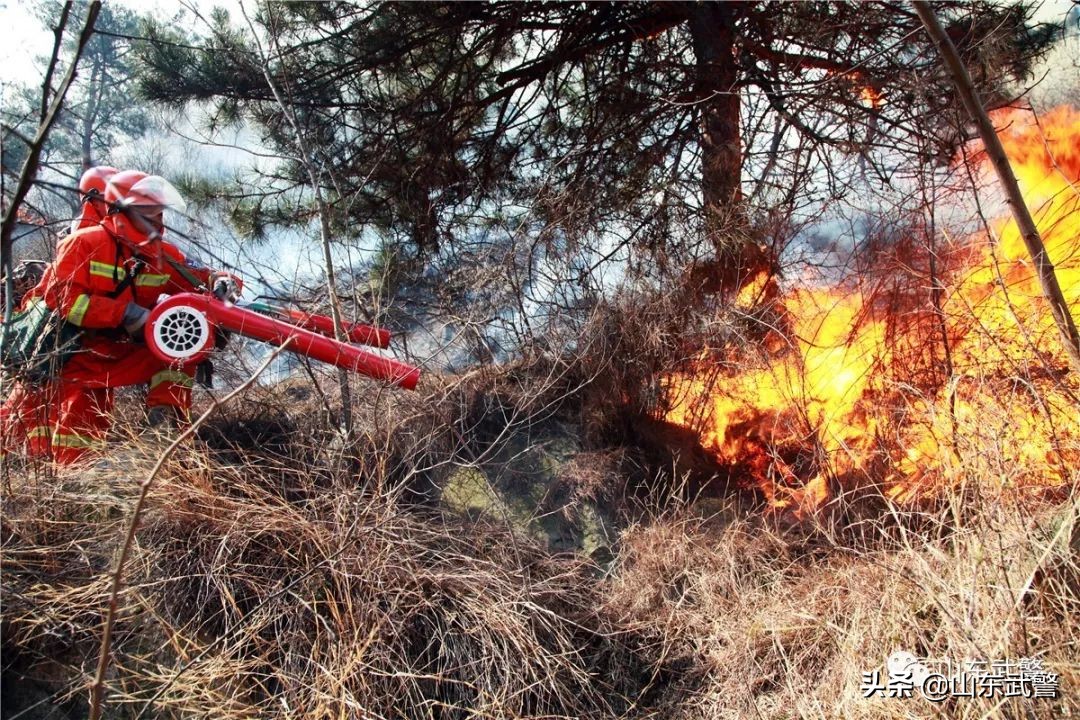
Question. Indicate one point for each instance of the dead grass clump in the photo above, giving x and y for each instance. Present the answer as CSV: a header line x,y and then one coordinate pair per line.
x,y
240,603
399,440
595,476
777,632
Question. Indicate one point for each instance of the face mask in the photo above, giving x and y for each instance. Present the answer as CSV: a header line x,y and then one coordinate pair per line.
x,y
147,220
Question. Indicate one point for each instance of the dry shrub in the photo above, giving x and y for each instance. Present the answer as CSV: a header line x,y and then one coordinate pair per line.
x,y
633,346
628,344
400,440
277,573
240,602
595,476
779,625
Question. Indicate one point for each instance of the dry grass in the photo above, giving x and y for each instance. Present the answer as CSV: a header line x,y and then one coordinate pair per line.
x,y
782,623
276,575
241,603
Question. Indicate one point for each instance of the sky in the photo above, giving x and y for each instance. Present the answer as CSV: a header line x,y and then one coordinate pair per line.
x,y
25,39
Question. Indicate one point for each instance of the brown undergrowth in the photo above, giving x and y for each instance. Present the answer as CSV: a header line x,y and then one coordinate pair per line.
x,y
335,602
782,623
277,575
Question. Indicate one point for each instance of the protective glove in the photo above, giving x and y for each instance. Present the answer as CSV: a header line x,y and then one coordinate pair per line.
x,y
134,319
224,287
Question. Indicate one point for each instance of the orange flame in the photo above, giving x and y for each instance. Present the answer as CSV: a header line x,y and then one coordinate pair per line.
x,y
830,404
871,97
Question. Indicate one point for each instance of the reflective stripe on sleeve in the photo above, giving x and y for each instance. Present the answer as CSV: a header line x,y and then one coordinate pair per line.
x,y
38,431
151,280
105,270
78,309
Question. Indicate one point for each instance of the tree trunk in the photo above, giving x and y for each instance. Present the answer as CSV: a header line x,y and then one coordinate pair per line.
x,y
737,257
93,101
712,28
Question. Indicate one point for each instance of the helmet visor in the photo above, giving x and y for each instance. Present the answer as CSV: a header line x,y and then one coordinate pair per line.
x,y
147,201
156,191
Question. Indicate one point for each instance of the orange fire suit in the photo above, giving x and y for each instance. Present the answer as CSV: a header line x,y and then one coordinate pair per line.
x,y
86,286
89,215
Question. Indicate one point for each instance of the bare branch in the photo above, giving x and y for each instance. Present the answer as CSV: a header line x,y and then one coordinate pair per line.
x,y
58,40
1044,268
30,166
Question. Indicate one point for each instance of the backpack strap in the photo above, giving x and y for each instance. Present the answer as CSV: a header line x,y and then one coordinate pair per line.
x,y
129,278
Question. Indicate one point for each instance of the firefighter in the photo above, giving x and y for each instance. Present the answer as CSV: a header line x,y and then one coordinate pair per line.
x,y
92,195
105,279
93,211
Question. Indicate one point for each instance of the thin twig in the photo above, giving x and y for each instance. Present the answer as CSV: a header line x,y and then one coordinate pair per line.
x,y
58,42
307,159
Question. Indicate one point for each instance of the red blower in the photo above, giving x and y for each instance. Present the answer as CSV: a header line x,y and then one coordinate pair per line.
x,y
180,329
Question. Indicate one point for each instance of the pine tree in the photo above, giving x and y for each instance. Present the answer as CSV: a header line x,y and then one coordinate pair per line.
x,y
594,118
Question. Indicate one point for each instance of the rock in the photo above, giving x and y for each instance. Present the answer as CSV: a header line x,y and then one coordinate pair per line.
x,y
522,483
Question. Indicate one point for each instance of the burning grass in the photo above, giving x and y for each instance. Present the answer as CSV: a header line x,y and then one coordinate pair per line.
x,y
911,367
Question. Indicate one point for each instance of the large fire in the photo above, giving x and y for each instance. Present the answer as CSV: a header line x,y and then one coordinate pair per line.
x,y
857,388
